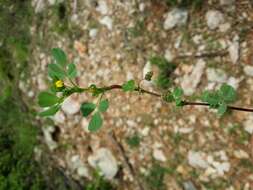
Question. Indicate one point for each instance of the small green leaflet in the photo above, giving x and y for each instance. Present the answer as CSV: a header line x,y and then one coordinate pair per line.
x,y
59,56
87,108
55,70
128,86
96,122
103,105
222,109
227,93
177,95
211,98
50,111
47,99
71,70
178,92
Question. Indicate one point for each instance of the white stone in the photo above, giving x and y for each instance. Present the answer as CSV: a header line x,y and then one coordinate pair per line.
x,y
169,55
103,160
225,27
234,51
159,155
221,168
142,7
59,117
70,106
248,124
102,7
197,39
93,32
197,159
83,171
214,19
248,70
176,17
107,21
241,154
145,131
84,124
190,82
216,75
234,82
53,2
47,132
185,130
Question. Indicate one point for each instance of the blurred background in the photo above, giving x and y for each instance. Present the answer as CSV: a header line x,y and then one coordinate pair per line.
x,y
145,143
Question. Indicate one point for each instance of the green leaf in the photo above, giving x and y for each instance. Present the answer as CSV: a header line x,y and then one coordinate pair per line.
x,y
211,98
87,108
71,70
103,105
168,97
222,109
55,70
50,111
128,86
59,56
227,93
46,99
178,92
96,122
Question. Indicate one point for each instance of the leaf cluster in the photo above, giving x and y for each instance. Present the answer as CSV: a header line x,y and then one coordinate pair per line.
x,y
96,120
219,99
174,96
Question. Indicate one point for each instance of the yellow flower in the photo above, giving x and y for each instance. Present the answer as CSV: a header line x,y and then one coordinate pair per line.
x,y
59,84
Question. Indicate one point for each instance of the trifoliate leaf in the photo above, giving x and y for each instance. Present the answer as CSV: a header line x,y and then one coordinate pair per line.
x,y
227,93
50,111
46,99
71,70
212,98
96,122
59,56
103,105
55,71
87,108
128,86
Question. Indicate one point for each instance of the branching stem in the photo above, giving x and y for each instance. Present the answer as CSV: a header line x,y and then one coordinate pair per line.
x,y
184,103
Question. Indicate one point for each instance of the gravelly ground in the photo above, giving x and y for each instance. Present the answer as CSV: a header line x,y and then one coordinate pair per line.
x,y
111,41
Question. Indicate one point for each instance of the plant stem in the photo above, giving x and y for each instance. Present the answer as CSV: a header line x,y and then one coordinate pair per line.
x,y
185,103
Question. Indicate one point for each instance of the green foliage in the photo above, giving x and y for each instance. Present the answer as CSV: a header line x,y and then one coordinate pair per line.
x,y
87,108
95,122
166,68
155,178
129,86
174,96
59,56
133,141
50,111
47,99
55,71
71,70
103,105
220,99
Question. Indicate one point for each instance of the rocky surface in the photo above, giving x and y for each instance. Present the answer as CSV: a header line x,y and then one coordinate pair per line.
x,y
112,41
